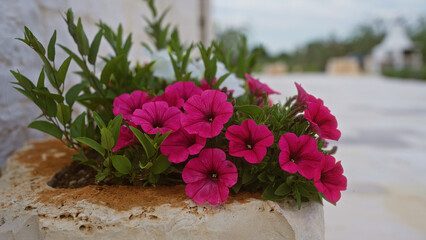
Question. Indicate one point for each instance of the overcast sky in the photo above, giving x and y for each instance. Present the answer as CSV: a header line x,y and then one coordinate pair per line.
x,y
286,24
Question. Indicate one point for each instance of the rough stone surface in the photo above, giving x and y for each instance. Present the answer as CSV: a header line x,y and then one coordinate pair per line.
x,y
42,17
248,219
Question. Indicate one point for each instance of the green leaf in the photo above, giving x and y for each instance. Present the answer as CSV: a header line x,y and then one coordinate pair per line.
x,y
153,178
83,42
269,193
143,139
51,47
146,166
160,164
62,72
247,176
63,113
94,47
121,163
73,93
109,69
115,125
220,81
107,139
92,143
283,190
99,120
23,81
100,176
45,92
263,177
78,127
254,111
162,137
74,56
298,198
47,127
40,82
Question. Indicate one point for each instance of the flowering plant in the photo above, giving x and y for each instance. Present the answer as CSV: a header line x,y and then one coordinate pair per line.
x,y
205,123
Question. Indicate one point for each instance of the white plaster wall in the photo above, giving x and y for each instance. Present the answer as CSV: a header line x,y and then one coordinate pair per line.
x,y
43,17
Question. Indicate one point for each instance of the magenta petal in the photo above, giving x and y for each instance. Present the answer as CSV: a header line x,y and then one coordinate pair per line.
x,y
206,114
157,116
257,88
249,141
209,176
178,145
322,121
300,154
184,90
126,138
331,180
126,104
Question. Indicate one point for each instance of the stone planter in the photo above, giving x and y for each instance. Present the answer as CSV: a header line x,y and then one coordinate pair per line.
x,y
30,209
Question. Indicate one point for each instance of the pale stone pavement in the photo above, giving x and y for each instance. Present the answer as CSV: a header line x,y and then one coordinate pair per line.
x,y
382,149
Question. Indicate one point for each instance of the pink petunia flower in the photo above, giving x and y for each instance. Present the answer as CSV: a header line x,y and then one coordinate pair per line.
x,y
206,114
300,155
249,141
322,121
171,98
331,180
126,103
184,90
157,116
257,88
180,144
209,177
303,97
125,138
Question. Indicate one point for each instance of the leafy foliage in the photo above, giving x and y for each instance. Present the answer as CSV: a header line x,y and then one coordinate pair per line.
x,y
95,132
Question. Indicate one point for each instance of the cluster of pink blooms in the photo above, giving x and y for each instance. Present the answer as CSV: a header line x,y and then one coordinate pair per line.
x,y
194,114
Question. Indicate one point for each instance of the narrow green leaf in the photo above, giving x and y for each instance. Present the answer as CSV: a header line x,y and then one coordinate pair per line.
x,y
23,81
121,163
73,93
98,120
63,113
269,193
40,82
92,143
83,42
143,139
78,127
250,109
109,69
45,92
47,127
115,125
162,137
94,47
51,47
220,81
160,164
283,190
107,139
62,72
74,56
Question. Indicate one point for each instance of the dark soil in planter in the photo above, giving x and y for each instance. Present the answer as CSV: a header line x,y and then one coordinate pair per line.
x,y
74,176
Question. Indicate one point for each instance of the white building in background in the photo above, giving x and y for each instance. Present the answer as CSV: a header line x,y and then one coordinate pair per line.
x,y
192,17
396,51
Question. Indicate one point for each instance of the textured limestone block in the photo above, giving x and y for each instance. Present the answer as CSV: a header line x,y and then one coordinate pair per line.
x,y
18,227
128,212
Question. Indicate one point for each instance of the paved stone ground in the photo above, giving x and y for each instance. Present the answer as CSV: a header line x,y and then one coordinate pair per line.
x,y
382,149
